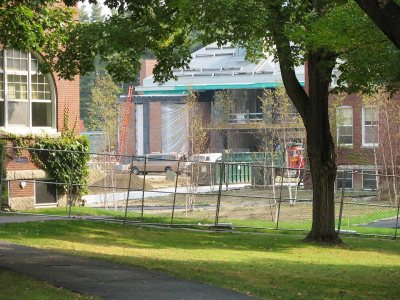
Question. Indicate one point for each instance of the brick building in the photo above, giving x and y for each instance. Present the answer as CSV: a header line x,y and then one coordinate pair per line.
x,y
32,104
367,140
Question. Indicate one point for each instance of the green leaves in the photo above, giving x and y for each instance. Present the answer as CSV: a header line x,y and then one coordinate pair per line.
x,y
69,164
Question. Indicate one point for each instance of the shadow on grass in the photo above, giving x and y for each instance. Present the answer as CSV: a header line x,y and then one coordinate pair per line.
x,y
106,234
110,234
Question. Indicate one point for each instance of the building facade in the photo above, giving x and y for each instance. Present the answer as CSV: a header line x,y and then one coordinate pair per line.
x,y
160,122
31,105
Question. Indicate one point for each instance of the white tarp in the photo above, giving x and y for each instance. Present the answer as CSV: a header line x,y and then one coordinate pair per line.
x,y
174,128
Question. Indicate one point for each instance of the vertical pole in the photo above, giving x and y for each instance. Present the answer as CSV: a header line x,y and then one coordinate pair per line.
x,y
221,177
144,187
280,198
176,186
69,198
397,221
1,175
341,201
129,188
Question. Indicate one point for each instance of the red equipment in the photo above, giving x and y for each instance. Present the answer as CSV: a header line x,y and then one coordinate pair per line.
x,y
296,157
125,120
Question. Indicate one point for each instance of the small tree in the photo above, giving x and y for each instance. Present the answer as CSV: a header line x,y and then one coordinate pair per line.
x,y
103,108
198,140
222,107
386,121
278,116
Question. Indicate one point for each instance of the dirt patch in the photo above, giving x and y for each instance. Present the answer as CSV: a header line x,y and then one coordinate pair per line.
x,y
99,182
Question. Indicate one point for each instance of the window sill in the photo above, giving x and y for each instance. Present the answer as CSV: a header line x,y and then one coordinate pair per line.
x,y
345,146
369,146
45,205
32,132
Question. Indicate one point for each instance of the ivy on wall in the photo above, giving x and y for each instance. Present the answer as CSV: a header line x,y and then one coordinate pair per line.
x,y
64,158
68,165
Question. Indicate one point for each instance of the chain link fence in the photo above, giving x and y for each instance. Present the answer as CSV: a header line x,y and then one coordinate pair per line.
x,y
167,190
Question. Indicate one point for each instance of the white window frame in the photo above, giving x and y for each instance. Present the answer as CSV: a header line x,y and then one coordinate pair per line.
x,y
363,128
338,125
21,129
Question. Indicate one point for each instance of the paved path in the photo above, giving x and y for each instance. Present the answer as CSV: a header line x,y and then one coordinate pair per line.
x,y
103,279
385,223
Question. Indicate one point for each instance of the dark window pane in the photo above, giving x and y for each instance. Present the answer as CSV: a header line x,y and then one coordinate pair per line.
x,y
45,193
41,115
347,178
369,180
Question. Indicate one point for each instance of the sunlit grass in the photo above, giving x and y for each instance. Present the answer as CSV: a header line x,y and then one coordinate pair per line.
x,y
267,266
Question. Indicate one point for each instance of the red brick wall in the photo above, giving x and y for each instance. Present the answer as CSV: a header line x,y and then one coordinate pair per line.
x,y
155,126
17,191
13,159
358,154
146,68
67,93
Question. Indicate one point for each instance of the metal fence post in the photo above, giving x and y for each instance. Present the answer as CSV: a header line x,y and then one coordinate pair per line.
x,y
1,176
69,197
280,199
221,177
129,188
176,186
397,220
341,201
144,187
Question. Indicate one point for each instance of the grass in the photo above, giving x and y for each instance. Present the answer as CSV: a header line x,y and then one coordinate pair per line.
x,y
14,286
257,215
266,266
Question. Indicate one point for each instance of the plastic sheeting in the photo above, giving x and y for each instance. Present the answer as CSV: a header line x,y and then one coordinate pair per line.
x,y
174,130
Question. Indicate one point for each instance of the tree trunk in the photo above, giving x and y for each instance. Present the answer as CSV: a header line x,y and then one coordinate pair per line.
x,y
321,149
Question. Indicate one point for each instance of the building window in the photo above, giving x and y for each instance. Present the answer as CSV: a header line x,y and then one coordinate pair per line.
x,y
369,180
27,97
45,192
344,123
370,126
346,178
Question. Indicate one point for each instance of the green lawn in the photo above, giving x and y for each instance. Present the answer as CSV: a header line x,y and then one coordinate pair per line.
x,y
15,287
296,217
267,266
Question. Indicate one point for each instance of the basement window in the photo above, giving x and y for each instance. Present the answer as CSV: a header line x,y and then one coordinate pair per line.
x,y
344,178
45,192
369,180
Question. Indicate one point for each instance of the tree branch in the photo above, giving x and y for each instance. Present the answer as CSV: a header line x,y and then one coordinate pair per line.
x,y
385,15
